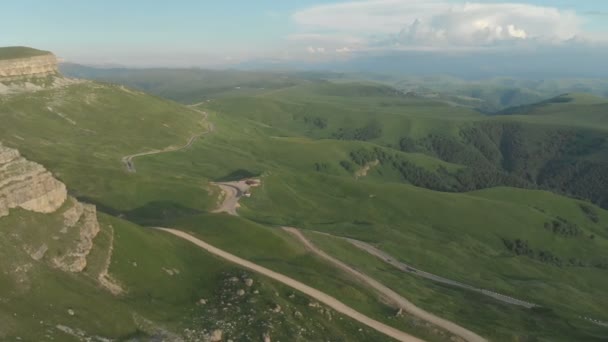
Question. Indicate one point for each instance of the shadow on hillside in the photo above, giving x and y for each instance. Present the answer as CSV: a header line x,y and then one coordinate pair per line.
x,y
238,175
156,213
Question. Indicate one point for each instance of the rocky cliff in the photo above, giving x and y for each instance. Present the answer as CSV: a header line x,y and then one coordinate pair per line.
x,y
28,185
27,68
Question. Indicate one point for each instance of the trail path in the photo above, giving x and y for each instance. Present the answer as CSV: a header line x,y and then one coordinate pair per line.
x,y
406,268
129,162
388,293
314,293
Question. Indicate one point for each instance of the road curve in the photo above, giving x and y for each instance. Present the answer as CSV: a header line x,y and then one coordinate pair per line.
x,y
233,191
314,293
390,294
129,163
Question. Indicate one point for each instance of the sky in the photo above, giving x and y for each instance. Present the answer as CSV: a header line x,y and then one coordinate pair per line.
x,y
222,33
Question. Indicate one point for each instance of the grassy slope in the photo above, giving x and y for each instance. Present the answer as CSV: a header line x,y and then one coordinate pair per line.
x,y
454,235
498,321
81,132
36,299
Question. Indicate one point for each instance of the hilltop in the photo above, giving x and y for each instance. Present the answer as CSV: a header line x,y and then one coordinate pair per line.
x,y
18,52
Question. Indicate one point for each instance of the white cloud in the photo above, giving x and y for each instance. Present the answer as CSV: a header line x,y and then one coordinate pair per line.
x,y
344,49
315,50
435,24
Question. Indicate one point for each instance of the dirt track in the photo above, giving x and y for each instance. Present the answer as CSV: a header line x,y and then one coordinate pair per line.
x,y
390,294
314,293
406,268
130,163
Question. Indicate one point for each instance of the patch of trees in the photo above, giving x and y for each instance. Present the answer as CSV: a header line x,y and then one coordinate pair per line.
x,y
371,130
590,213
348,166
316,122
409,171
572,162
564,228
322,167
520,247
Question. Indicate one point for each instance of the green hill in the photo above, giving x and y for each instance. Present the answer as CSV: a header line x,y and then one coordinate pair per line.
x,y
13,52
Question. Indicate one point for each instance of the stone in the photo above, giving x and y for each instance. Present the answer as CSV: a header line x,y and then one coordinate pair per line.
x,y
27,185
240,292
216,335
248,282
71,312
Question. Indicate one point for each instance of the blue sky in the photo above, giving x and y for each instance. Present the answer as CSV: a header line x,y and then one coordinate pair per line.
x,y
189,32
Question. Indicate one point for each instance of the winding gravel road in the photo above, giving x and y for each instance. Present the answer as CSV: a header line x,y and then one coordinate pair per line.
x,y
312,292
409,269
129,162
389,294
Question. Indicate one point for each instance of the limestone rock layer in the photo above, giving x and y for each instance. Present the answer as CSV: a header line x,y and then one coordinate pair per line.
x,y
27,68
28,185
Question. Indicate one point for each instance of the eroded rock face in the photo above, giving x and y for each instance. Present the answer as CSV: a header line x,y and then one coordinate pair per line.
x,y
84,220
30,186
27,185
27,68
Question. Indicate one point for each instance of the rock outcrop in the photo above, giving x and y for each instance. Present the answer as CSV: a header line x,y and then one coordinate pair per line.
x,y
82,218
27,185
26,68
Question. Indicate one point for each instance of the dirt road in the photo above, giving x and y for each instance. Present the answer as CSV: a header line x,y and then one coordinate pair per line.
x,y
314,293
388,293
409,269
130,163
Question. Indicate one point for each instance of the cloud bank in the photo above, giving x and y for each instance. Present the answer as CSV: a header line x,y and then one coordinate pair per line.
x,y
424,25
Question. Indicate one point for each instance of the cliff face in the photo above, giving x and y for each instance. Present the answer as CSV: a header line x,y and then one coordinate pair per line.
x,y
27,68
28,185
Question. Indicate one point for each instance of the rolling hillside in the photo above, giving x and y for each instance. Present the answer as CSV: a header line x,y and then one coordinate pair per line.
x,y
472,198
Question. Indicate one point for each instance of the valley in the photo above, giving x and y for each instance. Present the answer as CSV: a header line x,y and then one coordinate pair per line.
x,y
416,219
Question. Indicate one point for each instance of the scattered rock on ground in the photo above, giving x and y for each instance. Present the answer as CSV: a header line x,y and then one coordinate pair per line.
x,y
216,335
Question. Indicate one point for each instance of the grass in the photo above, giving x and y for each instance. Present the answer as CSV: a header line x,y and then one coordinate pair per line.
x,y
277,250
492,319
36,298
81,132
14,52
